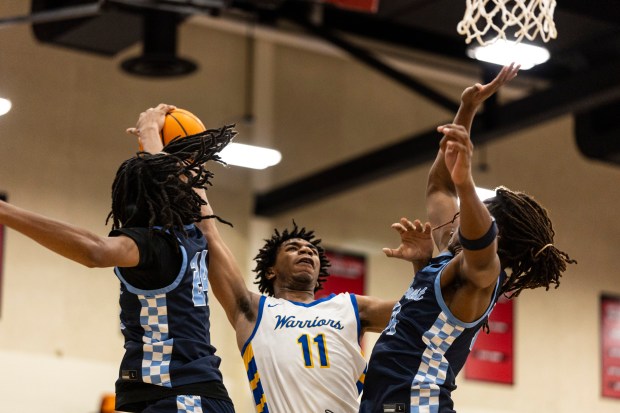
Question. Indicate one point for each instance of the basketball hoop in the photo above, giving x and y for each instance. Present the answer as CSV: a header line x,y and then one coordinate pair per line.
x,y
489,20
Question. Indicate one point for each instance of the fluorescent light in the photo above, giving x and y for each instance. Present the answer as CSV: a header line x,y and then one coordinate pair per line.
x,y
503,52
484,193
249,156
5,106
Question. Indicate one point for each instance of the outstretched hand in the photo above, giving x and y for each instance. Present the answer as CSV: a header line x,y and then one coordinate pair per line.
x,y
150,122
458,150
416,243
151,117
478,93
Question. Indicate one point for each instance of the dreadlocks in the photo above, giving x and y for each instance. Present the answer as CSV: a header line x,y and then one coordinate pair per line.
x,y
266,257
525,242
158,189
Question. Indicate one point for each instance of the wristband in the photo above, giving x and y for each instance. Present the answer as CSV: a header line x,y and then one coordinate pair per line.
x,y
480,243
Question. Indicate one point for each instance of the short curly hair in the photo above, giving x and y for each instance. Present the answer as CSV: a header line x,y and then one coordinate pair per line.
x,y
266,257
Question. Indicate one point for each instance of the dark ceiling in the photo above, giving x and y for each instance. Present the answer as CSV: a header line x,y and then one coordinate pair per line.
x,y
583,74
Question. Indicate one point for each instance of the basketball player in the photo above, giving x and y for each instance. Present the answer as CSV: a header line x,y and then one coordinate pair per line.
x,y
302,354
159,256
501,246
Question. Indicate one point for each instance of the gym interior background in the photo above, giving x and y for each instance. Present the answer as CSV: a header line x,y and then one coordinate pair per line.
x,y
285,88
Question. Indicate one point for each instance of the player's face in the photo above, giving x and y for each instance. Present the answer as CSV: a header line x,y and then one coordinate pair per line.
x,y
297,263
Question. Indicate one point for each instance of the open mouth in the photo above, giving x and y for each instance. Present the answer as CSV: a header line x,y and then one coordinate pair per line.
x,y
306,261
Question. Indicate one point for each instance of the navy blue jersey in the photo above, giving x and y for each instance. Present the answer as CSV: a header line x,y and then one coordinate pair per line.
x,y
168,347
414,363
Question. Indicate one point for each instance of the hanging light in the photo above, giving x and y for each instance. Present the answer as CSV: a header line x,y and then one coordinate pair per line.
x,y
503,52
5,106
249,156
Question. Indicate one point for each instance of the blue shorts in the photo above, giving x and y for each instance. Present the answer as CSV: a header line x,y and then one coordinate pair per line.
x,y
189,404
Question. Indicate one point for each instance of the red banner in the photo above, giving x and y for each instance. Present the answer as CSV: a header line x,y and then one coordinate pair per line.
x,y
367,6
3,198
610,346
492,357
346,274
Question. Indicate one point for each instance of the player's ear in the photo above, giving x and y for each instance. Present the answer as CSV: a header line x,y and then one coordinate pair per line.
x,y
270,273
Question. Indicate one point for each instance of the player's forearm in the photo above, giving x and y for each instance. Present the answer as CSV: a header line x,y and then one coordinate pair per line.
x,y
476,226
225,278
465,115
64,239
439,177
149,138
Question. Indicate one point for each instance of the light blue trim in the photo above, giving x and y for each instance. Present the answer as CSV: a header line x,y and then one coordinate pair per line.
x,y
444,307
164,290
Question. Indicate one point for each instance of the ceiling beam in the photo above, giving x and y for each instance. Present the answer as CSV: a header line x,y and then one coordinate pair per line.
x,y
368,58
579,93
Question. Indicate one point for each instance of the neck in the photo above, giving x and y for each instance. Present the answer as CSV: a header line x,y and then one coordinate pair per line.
x,y
300,296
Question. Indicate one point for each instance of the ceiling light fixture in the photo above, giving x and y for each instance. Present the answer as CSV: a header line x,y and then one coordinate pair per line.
x,y
5,106
504,52
484,193
249,156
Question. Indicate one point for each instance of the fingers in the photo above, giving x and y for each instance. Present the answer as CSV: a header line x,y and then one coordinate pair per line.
x,y
452,128
507,73
165,107
454,132
427,228
406,225
452,147
133,131
388,252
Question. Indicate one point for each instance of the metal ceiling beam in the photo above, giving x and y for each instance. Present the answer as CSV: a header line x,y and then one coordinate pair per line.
x,y
392,32
579,93
371,60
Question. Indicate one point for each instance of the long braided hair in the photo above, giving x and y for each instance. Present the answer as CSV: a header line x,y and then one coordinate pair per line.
x,y
158,189
525,242
266,257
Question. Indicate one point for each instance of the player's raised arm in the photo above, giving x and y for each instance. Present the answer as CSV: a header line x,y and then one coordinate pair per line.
x,y
226,280
441,196
70,241
477,232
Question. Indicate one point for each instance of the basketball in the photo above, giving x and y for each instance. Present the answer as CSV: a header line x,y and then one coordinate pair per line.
x,y
179,122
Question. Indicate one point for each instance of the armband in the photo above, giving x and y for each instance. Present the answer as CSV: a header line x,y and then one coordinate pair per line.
x,y
480,243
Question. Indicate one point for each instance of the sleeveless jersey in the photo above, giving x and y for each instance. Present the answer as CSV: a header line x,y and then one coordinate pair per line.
x,y
168,347
306,358
415,361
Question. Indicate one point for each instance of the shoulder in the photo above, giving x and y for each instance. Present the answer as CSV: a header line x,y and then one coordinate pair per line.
x,y
154,246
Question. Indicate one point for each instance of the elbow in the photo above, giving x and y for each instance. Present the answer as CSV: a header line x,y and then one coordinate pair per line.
x,y
95,255
93,260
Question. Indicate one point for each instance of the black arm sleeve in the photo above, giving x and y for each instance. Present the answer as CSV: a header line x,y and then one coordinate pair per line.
x,y
160,258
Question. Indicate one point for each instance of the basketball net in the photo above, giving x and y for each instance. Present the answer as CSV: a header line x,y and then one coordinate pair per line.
x,y
488,20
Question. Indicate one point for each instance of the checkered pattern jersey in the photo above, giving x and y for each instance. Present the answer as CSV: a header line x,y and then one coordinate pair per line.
x,y
415,361
306,357
167,338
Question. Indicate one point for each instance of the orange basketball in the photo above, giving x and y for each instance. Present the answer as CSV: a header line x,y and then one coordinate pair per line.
x,y
180,122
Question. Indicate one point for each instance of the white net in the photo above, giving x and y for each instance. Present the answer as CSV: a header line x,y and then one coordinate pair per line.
x,y
489,20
